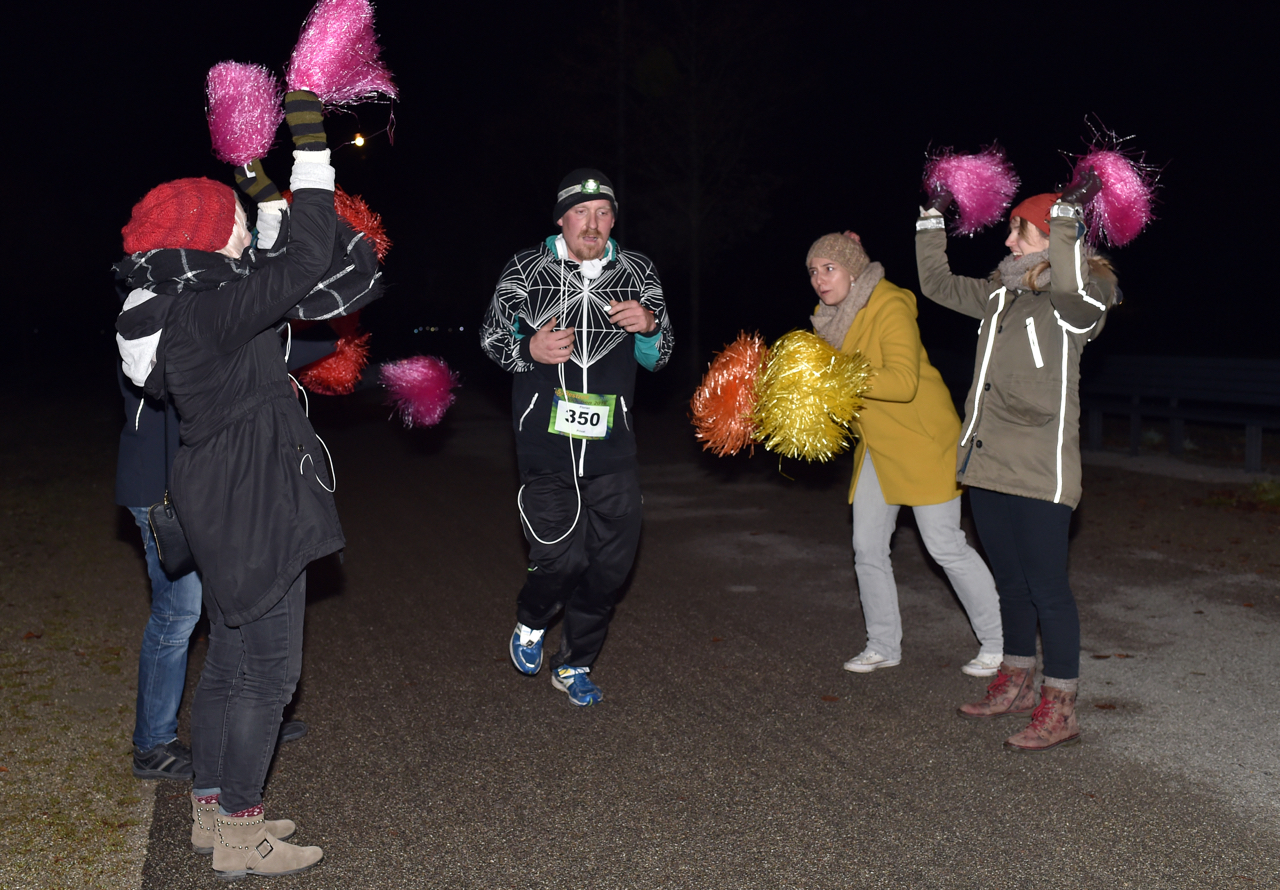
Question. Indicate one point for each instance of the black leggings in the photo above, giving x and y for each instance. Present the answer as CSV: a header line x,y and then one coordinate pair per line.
x,y
1026,544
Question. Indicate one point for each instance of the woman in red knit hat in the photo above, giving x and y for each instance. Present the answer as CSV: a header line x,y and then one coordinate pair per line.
x,y
250,481
1019,447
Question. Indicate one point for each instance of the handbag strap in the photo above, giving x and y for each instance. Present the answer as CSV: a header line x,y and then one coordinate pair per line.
x,y
167,465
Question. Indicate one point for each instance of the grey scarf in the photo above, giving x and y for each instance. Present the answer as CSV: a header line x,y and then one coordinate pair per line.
x,y
1015,268
832,323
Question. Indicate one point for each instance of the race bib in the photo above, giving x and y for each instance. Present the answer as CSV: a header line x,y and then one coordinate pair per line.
x,y
582,415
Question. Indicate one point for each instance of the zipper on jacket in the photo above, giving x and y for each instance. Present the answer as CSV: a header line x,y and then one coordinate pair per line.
x,y
625,419
1035,342
986,358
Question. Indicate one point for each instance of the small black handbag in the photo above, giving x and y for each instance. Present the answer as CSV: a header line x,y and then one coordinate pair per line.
x,y
171,541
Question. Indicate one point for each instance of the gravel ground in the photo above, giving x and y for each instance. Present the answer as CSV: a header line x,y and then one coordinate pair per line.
x,y
731,750
73,602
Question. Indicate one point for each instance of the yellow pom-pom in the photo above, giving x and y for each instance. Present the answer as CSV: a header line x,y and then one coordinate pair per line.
x,y
721,408
809,396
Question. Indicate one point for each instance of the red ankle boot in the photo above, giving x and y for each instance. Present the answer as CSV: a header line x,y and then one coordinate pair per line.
x,y
1011,694
1052,724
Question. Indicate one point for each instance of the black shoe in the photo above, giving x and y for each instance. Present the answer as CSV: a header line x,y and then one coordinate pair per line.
x,y
292,731
170,761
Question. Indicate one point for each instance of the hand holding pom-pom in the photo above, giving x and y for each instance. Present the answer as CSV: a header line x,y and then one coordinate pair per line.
x,y
1083,190
1122,207
722,406
940,198
304,113
983,185
252,179
808,397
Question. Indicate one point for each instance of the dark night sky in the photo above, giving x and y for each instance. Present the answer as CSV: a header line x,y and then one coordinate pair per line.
x,y
841,102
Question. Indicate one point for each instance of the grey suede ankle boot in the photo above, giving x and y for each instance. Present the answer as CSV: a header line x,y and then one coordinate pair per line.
x,y
245,847
204,838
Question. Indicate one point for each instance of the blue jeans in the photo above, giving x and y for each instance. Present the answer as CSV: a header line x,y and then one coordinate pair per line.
x,y
249,675
162,664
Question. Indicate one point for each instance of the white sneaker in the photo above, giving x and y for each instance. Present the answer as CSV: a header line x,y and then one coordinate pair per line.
x,y
870,660
984,665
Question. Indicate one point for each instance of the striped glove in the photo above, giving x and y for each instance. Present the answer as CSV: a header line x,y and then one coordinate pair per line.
x,y
302,112
254,182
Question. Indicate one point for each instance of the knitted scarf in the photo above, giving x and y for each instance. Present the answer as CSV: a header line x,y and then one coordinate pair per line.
x,y
832,323
352,281
1014,268
176,271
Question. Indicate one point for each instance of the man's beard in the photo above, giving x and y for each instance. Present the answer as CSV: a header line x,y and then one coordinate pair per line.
x,y
592,251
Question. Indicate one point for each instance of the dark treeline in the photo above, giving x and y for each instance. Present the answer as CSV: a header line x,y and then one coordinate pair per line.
x,y
737,133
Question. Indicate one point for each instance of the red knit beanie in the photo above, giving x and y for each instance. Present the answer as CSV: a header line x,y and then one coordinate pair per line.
x,y
1035,210
195,213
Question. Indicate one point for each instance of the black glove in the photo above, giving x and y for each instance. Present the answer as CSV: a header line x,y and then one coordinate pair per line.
x,y
254,182
940,198
303,113
1082,191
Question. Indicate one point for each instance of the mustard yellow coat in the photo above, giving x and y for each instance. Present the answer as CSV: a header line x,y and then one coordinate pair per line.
x,y
909,421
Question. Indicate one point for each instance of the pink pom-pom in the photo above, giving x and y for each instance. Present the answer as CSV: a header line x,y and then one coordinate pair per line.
x,y
244,111
337,56
1122,208
983,184
421,388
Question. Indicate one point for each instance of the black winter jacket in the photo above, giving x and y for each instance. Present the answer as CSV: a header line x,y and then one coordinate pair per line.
x,y
250,481
538,285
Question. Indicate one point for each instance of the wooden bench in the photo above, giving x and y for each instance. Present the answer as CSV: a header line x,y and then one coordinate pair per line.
x,y
1207,390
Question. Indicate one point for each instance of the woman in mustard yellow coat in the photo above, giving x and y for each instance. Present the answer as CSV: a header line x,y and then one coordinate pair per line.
x,y
905,455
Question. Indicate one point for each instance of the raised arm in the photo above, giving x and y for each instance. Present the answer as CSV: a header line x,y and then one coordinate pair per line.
x,y
237,313
1079,297
253,183
964,295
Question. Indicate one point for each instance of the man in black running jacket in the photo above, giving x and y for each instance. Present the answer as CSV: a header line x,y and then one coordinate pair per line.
x,y
570,320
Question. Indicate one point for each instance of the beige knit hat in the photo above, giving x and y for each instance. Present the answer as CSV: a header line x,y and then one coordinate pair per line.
x,y
845,249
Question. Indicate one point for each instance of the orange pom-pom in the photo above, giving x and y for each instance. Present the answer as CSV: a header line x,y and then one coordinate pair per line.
x,y
353,210
723,405
337,374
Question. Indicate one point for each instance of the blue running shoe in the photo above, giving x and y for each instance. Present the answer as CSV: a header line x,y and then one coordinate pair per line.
x,y
577,684
526,649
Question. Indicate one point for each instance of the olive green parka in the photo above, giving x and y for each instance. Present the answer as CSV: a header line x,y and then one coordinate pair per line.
x,y
1021,431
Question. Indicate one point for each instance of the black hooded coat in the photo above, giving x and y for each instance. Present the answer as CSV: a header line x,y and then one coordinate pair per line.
x,y
251,481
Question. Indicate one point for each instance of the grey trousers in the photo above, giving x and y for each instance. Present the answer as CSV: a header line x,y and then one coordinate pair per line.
x,y
939,524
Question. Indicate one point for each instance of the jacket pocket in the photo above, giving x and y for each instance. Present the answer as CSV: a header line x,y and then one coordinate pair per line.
x,y
1025,402
1035,342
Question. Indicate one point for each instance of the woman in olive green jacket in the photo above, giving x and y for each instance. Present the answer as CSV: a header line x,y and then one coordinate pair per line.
x,y
1019,449
907,435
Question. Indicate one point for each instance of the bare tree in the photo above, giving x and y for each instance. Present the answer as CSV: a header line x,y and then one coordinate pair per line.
x,y
696,90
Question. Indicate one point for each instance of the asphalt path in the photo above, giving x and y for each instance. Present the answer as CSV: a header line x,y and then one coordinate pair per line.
x,y
730,749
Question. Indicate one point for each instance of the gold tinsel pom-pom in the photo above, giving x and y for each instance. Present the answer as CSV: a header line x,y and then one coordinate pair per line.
x,y
722,406
808,396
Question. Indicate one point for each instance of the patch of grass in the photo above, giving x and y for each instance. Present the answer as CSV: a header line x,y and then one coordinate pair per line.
x,y
1267,493
1261,496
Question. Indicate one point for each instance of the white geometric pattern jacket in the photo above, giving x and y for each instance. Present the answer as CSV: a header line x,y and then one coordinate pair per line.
x,y
542,283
